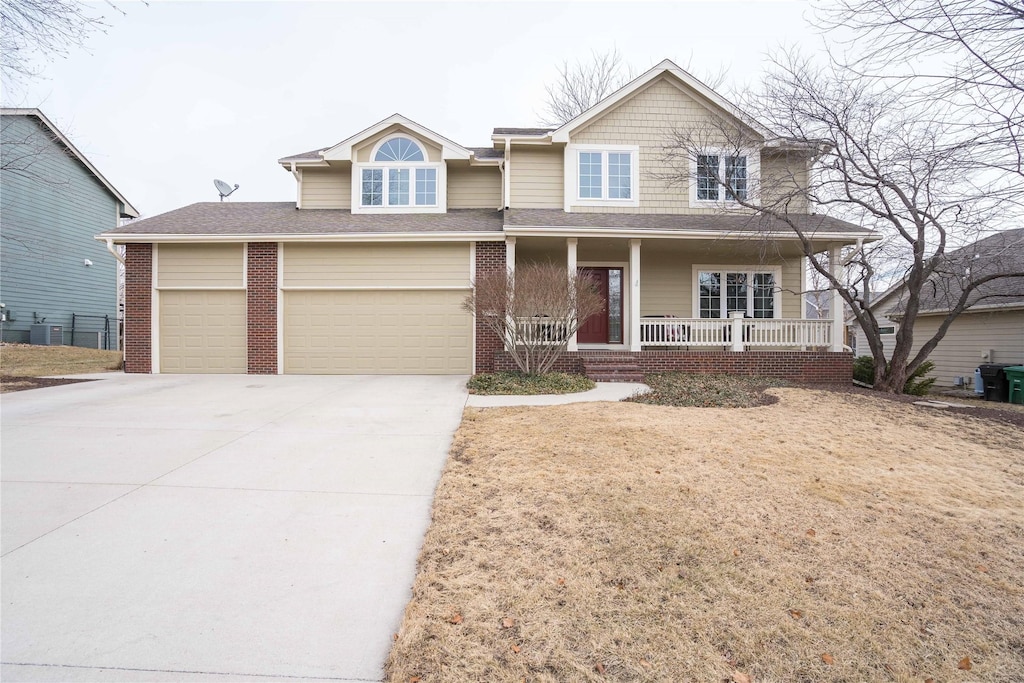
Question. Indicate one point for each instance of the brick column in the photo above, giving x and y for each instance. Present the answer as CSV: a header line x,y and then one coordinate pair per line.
x,y
138,308
490,258
261,307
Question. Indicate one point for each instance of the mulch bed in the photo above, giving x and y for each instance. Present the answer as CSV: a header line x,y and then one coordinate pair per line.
x,y
985,410
9,383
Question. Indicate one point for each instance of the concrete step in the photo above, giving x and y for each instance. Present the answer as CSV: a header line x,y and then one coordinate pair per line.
x,y
615,377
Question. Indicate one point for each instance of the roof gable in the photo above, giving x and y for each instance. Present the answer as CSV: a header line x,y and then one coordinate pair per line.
x,y
128,211
669,70
343,150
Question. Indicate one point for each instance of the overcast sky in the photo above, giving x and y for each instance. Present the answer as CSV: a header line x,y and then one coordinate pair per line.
x,y
175,94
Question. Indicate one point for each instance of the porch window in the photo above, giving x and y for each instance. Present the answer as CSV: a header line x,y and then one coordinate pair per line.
x,y
722,291
398,177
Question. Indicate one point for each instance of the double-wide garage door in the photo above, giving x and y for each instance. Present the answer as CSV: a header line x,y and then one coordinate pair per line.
x,y
346,308
377,331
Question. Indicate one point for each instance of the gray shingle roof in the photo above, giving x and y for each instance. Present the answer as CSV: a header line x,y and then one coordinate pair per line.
x,y
282,218
313,155
1002,252
522,131
658,221
487,152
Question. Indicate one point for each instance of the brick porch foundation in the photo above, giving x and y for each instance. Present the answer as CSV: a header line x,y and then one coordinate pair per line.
x,y
813,367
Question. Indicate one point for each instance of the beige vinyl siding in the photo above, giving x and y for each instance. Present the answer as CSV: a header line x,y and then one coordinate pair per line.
x,y
362,152
537,177
646,119
970,336
667,268
377,332
474,187
200,265
202,331
781,177
376,265
327,188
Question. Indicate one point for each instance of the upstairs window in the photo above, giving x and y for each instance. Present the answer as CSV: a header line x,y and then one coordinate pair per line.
x,y
601,175
399,177
714,174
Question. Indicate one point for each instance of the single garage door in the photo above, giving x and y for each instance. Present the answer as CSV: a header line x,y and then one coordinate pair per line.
x,y
377,332
202,331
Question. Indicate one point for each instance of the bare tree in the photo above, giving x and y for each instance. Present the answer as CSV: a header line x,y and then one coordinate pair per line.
x,y
534,310
876,157
43,28
963,57
581,85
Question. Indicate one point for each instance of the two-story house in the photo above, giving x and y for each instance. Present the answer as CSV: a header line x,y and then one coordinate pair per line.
x,y
53,201
367,270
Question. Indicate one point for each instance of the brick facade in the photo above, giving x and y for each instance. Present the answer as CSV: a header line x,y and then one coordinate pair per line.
x,y
138,308
490,258
261,308
813,367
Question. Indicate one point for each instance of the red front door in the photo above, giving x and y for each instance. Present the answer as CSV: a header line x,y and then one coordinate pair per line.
x,y
604,327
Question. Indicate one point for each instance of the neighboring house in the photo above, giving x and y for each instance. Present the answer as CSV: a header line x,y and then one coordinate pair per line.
x,y
367,270
991,330
53,201
855,333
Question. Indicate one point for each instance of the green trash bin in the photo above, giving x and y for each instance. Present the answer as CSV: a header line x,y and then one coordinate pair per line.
x,y
1015,380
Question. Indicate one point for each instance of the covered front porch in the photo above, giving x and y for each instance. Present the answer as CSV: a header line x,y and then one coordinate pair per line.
x,y
685,295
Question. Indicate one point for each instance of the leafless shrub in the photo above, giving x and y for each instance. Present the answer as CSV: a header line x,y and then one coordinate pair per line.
x,y
535,309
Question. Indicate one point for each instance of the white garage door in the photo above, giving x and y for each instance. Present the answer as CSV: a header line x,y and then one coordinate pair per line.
x,y
376,332
202,331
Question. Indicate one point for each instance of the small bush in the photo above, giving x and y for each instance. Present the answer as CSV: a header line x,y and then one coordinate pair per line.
x,y
917,384
516,383
682,389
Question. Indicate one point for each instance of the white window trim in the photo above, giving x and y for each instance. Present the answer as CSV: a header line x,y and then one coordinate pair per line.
x,y
753,172
441,190
572,185
776,272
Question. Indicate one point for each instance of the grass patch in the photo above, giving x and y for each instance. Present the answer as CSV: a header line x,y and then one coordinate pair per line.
x,y
515,383
685,390
630,542
28,360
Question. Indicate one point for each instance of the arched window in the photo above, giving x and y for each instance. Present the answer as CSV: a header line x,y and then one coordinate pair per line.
x,y
399,149
399,176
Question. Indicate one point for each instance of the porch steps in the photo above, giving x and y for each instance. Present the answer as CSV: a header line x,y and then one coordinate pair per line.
x,y
611,369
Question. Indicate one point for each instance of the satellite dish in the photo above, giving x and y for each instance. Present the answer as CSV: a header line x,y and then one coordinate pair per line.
x,y
223,188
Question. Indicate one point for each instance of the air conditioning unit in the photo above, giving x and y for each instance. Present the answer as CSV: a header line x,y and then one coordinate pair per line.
x,y
46,335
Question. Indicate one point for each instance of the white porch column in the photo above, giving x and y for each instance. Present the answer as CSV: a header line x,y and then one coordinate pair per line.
x,y
634,295
510,254
835,266
570,262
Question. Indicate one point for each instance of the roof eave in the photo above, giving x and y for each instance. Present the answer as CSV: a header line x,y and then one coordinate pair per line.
x,y
129,210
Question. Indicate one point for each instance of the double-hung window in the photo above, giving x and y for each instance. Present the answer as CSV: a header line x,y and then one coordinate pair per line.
x,y
721,176
602,175
398,176
754,292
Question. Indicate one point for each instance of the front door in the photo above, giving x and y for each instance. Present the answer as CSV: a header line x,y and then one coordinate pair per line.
x,y
604,327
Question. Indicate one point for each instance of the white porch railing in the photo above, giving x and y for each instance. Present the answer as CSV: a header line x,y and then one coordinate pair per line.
x,y
539,329
753,332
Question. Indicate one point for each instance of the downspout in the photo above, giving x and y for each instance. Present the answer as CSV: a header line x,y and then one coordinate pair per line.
x,y
113,251
298,180
507,175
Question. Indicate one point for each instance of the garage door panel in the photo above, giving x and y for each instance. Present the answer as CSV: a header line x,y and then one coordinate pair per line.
x,y
202,331
377,332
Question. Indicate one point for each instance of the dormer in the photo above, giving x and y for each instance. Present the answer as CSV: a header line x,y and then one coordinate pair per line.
x,y
396,166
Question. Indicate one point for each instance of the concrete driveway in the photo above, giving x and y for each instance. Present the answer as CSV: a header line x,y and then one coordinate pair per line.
x,y
194,528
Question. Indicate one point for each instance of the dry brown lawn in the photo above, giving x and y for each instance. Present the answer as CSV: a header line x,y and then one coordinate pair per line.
x,y
827,537
26,360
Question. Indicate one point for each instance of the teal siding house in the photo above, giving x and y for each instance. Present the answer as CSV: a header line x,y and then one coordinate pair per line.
x,y
53,202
